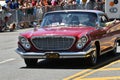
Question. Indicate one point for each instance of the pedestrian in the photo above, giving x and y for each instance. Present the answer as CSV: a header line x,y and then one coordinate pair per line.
x,y
91,4
45,5
14,4
100,4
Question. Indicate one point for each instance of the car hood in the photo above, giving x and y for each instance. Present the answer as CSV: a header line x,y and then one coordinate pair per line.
x,y
58,31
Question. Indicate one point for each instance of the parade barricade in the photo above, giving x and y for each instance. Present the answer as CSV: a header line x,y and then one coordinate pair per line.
x,y
1,19
25,17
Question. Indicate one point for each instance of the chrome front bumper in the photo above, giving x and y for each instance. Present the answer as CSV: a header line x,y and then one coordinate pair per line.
x,y
41,55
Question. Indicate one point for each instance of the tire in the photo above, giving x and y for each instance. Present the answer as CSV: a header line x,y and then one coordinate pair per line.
x,y
114,51
30,62
93,59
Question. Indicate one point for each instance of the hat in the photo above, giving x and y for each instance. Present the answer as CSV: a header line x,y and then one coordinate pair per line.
x,y
7,1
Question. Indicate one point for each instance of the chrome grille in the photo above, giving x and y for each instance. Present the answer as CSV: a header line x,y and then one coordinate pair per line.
x,y
53,42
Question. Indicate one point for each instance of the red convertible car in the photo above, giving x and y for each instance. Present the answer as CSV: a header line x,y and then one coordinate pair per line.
x,y
70,34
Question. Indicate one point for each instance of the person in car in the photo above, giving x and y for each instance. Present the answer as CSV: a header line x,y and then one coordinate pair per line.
x,y
111,22
92,19
56,19
75,20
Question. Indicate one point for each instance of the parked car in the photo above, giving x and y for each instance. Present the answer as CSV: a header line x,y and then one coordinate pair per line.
x,y
70,34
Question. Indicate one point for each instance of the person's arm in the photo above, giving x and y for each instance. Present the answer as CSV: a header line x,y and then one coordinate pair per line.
x,y
111,22
61,2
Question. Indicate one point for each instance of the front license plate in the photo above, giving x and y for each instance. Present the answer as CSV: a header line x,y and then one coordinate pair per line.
x,y
52,55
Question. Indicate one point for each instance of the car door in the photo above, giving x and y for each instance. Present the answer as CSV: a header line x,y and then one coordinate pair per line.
x,y
112,31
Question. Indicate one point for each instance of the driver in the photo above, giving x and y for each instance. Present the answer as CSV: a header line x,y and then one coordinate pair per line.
x,y
56,19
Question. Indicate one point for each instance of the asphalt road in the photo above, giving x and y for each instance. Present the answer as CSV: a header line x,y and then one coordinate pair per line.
x,y
12,66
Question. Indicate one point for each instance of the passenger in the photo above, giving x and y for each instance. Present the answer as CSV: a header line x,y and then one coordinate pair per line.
x,y
92,19
110,22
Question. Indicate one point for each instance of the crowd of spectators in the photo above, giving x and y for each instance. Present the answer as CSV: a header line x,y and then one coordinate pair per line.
x,y
23,4
31,5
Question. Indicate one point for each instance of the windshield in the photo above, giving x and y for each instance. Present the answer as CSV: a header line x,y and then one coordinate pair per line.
x,y
68,19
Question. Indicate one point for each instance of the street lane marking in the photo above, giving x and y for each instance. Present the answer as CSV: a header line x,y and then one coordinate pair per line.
x,y
77,74
103,78
78,78
109,69
84,72
7,60
81,73
110,64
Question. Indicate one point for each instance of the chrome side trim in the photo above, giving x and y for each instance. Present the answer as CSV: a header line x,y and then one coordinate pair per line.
x,y
107,51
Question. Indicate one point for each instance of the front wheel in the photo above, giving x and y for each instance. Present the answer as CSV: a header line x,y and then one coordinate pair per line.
x,y
93,59
30,62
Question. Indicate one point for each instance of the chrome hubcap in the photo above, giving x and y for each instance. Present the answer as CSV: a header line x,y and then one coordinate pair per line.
x,y
94,57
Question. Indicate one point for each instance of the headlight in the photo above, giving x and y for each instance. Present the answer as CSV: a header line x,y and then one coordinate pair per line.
x,y
81,42
24,42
